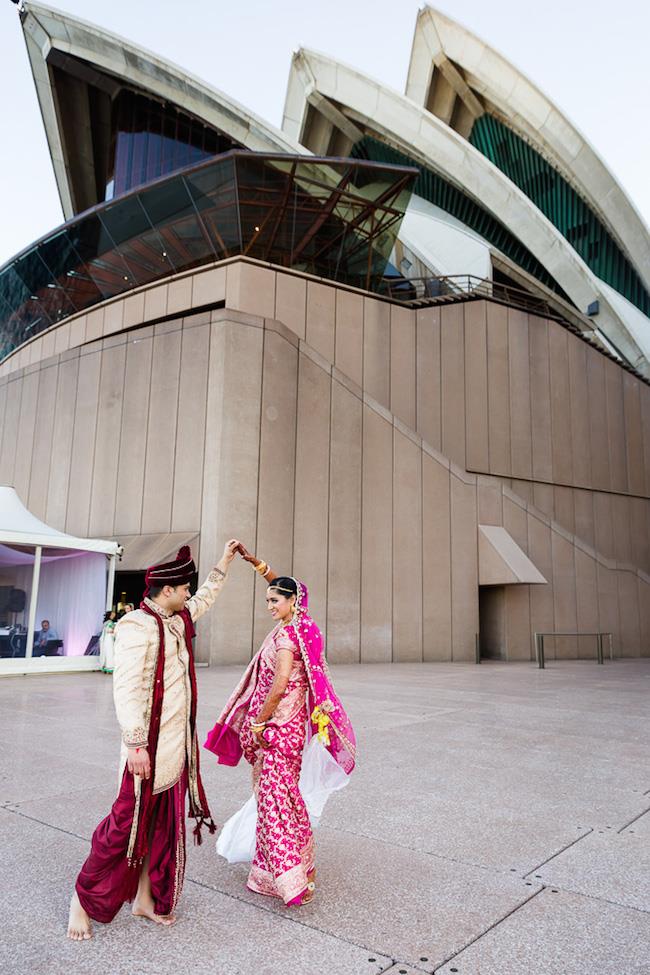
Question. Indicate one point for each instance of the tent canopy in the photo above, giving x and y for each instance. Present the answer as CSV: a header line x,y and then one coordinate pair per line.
x,y
18,526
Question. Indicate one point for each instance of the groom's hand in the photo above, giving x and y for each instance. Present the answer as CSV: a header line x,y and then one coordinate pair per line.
x,y
229,552
138,763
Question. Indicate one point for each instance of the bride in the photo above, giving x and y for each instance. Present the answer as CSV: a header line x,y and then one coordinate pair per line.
x,y
285,718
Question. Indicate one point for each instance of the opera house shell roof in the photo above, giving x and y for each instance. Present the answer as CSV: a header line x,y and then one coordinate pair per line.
x,y
470,182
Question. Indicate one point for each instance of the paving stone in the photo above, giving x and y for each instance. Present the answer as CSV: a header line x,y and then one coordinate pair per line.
x,y
399,902
215,934
560,934
468,777
606,864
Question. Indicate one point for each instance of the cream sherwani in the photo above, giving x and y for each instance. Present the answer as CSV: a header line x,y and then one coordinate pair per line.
x,y
136,650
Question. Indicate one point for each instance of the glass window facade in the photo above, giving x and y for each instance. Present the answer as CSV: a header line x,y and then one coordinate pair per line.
x,y
437,190
336,219
150,139
563,206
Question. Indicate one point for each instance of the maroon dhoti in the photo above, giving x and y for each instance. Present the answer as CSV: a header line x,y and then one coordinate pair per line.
x,y
107,881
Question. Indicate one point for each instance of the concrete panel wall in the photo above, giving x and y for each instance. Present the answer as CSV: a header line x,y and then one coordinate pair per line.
x,y
311,452
311,511
344,545
277,453
190,424
436,546
429,403
62,436
26,427
163,415
107,438
230,480
403,365
517,606
540,400
131,448
83,444
452,366
521,444
44,445
377,538
407,548
498,389
464,569
476,388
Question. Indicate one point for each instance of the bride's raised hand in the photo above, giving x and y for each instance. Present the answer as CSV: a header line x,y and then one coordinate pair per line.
x,y
246,555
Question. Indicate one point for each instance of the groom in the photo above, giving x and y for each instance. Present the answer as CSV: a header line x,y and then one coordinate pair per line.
x,y
138,851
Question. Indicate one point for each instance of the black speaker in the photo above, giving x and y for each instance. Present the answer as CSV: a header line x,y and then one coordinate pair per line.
x,y
16,601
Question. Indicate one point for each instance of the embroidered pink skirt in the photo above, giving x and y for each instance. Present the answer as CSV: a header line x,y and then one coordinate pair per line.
x,y
284,845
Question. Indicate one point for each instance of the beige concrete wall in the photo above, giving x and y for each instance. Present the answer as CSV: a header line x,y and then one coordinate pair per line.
x,y
355,443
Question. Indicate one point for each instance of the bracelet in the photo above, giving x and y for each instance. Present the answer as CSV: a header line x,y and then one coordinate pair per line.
x,y
262,568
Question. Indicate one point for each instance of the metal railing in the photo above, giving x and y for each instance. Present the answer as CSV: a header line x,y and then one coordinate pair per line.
x,y
539,644
447,289
460,287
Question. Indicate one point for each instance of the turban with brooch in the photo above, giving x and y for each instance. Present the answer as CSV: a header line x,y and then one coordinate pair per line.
x,y
174,573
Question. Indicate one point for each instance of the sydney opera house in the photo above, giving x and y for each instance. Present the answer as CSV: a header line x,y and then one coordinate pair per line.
x,y
401,347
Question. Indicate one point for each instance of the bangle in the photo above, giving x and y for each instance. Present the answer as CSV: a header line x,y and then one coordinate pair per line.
x,y
262,568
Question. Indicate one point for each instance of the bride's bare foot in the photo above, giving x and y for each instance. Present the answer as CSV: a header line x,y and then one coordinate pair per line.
x,y
145,908
79,926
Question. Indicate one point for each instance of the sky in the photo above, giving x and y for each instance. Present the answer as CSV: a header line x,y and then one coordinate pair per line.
x,y
590,57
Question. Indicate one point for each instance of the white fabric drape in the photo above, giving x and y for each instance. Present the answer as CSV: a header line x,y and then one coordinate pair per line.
x,y
71,595
320,776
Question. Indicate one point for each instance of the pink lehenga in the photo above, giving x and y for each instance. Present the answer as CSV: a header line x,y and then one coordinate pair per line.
x,y
284,845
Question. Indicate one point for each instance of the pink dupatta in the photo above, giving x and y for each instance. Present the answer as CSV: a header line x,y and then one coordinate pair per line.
x,y
303,632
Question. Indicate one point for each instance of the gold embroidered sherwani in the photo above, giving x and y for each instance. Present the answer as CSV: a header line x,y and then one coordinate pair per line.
x,y
136,649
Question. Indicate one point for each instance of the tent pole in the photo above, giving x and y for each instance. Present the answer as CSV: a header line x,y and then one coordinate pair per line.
x,y
110,583
36,575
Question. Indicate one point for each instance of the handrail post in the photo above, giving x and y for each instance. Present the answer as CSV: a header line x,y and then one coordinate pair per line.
x,y
599,647
539,649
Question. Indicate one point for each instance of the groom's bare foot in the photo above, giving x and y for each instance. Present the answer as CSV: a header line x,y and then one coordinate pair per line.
x,y
79,926
143,907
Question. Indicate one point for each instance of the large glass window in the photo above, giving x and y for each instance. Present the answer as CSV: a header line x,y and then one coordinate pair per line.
x,y
334,218
437,190
150,139
563,206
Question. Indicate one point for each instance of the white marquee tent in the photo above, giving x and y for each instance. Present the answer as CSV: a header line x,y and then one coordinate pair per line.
x,y
69,581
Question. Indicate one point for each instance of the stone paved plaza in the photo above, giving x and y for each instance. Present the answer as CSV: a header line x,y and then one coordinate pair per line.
x,y
498,824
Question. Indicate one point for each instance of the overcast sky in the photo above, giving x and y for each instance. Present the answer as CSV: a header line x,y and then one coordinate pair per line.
x,y
590,56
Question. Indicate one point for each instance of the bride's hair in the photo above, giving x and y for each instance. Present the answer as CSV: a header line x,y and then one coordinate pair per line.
x,y
286,585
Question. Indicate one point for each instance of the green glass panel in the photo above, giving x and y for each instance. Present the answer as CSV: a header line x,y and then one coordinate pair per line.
x,y
561,204
434,188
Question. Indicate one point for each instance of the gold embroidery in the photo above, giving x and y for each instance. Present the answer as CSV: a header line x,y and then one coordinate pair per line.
x,y
136,737
134,823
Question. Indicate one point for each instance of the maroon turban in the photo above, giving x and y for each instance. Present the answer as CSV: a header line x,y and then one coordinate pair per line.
x,y
175,573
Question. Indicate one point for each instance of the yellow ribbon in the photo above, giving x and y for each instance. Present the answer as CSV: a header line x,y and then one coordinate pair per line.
x,y
318,716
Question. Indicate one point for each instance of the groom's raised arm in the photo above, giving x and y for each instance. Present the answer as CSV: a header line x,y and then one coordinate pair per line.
x,y
205,596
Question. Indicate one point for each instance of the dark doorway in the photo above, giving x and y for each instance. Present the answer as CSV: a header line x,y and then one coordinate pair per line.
x,y
131,583
492,622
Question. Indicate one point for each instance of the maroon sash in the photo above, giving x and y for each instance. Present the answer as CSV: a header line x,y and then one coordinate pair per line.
x,y
144,806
